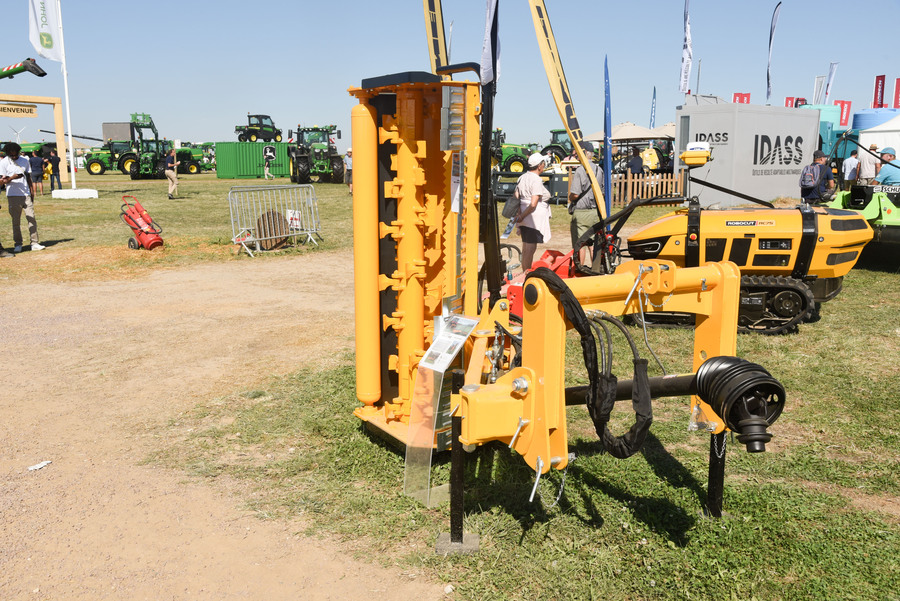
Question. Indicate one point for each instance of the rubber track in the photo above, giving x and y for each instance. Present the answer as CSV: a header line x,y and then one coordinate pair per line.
x,y
773,324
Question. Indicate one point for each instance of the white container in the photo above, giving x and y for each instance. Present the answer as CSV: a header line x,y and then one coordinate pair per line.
x,y
756,150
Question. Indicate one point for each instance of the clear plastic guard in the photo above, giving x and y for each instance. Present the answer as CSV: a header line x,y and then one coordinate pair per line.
x,y
420,440
430,389
698,423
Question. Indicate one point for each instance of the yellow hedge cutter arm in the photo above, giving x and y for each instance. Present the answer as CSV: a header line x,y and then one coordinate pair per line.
x,y
560,90
434,28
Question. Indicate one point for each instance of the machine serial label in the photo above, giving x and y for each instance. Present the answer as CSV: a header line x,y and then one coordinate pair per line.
x,y
749,223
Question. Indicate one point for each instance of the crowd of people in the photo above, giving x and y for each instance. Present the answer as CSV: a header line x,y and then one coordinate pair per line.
x,y
874,167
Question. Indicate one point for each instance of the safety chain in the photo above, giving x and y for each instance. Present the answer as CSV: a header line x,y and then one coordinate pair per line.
x,y
651,303
719,452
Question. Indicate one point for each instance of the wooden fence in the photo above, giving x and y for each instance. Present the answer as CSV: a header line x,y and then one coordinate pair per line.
x,y
626,186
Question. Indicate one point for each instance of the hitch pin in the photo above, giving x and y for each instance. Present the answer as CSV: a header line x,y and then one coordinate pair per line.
x,y
522,423
538,468
637,281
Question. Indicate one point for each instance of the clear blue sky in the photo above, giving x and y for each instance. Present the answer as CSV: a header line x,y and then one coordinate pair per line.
x,y
199,67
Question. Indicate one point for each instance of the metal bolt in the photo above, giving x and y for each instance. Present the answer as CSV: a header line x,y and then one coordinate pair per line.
x,y
520,385
470,387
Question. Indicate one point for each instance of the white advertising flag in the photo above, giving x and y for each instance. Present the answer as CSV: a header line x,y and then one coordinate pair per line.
x,y
687,53
832,69
490,50
43,29
819,90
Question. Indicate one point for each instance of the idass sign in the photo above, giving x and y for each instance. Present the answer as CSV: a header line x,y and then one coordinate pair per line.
x,y
757,150
777,150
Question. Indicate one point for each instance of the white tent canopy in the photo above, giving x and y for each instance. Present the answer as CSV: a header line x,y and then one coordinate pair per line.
x,y
886,134
625,131
665,131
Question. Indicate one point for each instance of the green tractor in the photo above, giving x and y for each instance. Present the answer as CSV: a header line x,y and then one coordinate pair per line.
x,y
259,127
560,146
113,154
313,153
509,157
202,157
152,160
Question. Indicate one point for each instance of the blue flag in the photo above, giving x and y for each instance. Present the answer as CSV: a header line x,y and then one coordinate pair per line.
x,y
607,144
653,110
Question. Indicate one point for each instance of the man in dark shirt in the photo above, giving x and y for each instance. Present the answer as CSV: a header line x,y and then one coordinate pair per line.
x,y
54,170
37,172
172,172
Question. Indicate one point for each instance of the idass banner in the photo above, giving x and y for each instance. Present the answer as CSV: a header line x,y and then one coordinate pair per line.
x,y
897,93
44,31
789,102
741,98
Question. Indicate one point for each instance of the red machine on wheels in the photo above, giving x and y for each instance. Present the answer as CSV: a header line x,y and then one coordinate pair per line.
x,y
146,231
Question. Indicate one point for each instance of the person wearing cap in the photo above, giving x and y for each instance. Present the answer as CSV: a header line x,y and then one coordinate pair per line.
x,y
866,172
348,169
534,209
582,205
824,179
889,174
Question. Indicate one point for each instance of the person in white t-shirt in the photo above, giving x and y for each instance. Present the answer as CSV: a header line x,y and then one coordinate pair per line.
x,y
534,208
849,169
15,172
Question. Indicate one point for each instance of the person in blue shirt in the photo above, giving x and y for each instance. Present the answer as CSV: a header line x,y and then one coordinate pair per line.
x,y
889,175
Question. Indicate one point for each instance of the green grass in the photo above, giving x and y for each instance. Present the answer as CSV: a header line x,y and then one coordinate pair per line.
x,y
816,517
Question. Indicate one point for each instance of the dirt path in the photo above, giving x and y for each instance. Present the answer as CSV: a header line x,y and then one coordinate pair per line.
x,y
90,368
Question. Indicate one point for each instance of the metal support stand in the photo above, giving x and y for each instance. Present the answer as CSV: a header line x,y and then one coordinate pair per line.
x,y
457,541
716,483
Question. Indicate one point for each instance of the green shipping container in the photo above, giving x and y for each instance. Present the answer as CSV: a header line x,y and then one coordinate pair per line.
x,y
246,160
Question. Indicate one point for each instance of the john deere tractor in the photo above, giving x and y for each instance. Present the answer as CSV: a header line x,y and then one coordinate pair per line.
x,y
113,154
509,157
259,127
560,146
314,154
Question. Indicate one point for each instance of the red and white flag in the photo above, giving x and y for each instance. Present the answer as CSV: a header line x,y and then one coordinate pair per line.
x,y
878,100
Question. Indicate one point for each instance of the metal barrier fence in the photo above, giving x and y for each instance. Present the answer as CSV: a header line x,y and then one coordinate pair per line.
x,y
270,217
